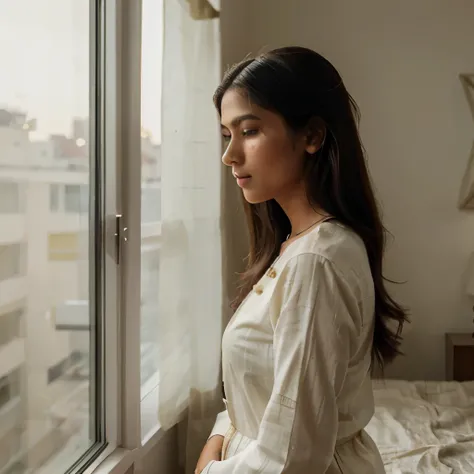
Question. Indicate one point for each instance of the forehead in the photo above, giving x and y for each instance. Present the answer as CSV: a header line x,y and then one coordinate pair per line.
x,y
236,103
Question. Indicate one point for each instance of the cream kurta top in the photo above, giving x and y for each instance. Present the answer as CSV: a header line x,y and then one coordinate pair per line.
x,y
296,362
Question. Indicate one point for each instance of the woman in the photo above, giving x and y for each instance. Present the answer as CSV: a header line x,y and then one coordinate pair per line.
x,y
313,312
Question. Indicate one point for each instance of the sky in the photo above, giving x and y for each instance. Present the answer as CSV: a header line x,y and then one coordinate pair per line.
x,y
44,59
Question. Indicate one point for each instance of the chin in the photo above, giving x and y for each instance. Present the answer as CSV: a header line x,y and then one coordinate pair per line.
x,y
255,198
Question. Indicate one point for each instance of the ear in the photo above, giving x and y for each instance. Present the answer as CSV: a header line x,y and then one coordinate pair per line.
x,y
315,135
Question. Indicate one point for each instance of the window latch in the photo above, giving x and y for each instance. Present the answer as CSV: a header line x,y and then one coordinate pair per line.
x,y
120,237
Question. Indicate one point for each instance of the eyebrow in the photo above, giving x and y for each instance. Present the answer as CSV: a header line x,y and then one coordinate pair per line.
x,y
238,120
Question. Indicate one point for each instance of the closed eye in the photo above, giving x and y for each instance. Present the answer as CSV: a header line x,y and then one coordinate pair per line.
x,y
245,133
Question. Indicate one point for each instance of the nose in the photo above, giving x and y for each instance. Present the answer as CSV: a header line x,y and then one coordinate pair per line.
x,y
232,154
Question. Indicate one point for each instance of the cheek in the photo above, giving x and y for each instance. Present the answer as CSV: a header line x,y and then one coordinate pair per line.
x,y
276,161
275,169
265,153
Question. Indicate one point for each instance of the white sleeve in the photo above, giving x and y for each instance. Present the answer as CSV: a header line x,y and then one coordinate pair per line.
x,y
221,425
315,334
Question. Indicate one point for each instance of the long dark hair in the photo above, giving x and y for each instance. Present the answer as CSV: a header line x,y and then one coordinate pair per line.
x,y
301,85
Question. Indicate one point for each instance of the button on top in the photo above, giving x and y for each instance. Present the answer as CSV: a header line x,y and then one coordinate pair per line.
x,y
258,289
272,273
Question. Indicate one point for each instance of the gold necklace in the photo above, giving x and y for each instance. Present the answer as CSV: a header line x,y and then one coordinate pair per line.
x,y
271,272
307,228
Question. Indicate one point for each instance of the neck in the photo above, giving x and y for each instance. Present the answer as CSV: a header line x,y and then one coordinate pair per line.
x,y
299,211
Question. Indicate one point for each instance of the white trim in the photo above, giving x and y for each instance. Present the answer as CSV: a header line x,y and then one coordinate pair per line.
x,y
130,118
111,136
112,461
119,461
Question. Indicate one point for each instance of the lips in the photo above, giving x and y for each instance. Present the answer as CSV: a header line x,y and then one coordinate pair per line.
x,y
242,180
241,176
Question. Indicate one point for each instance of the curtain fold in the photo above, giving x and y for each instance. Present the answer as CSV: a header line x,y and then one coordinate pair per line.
x,y
191,290
202,9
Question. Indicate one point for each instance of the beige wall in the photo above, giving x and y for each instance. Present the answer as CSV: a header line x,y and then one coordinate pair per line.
x,y
400,61
236,38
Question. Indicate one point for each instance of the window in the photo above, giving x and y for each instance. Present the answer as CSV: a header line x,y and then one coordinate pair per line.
x,y
65,246
10,408
150,203
10,326
4,391
10,199
9,387
76,198
55,49
82,354
54,198
12,261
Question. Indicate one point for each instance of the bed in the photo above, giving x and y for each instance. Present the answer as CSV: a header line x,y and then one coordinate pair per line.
x,y
424,427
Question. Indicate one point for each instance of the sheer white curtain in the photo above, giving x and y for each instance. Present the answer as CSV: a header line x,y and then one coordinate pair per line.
x,y
191,292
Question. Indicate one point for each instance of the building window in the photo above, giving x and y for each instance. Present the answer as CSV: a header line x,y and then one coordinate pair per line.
x,y
54,198
4,391
76,198
151,204
10,199
9,387
12,261
11,435
10,326
66,246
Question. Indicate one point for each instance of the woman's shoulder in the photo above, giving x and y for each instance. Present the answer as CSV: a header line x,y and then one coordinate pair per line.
x,y
334,243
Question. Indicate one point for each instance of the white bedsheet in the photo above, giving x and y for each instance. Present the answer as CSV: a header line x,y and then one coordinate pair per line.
x,y
424,427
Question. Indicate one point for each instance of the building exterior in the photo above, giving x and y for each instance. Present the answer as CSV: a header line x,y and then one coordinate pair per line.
x,y
44,268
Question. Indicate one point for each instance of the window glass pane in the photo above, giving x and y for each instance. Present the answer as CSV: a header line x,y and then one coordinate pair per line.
x,y
150,201
76,198
11,262
10,197
46,418
54,198
10,327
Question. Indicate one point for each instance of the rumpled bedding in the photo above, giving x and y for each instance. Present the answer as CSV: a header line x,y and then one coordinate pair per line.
x,y
424,427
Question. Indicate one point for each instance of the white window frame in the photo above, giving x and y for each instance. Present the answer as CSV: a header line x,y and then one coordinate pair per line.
x,y
121,113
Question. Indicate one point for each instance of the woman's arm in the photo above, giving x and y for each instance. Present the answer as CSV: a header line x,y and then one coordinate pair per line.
x,y
315,335
212,451
213,448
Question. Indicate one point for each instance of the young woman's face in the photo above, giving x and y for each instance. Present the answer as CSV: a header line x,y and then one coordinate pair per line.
x,y
267,158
